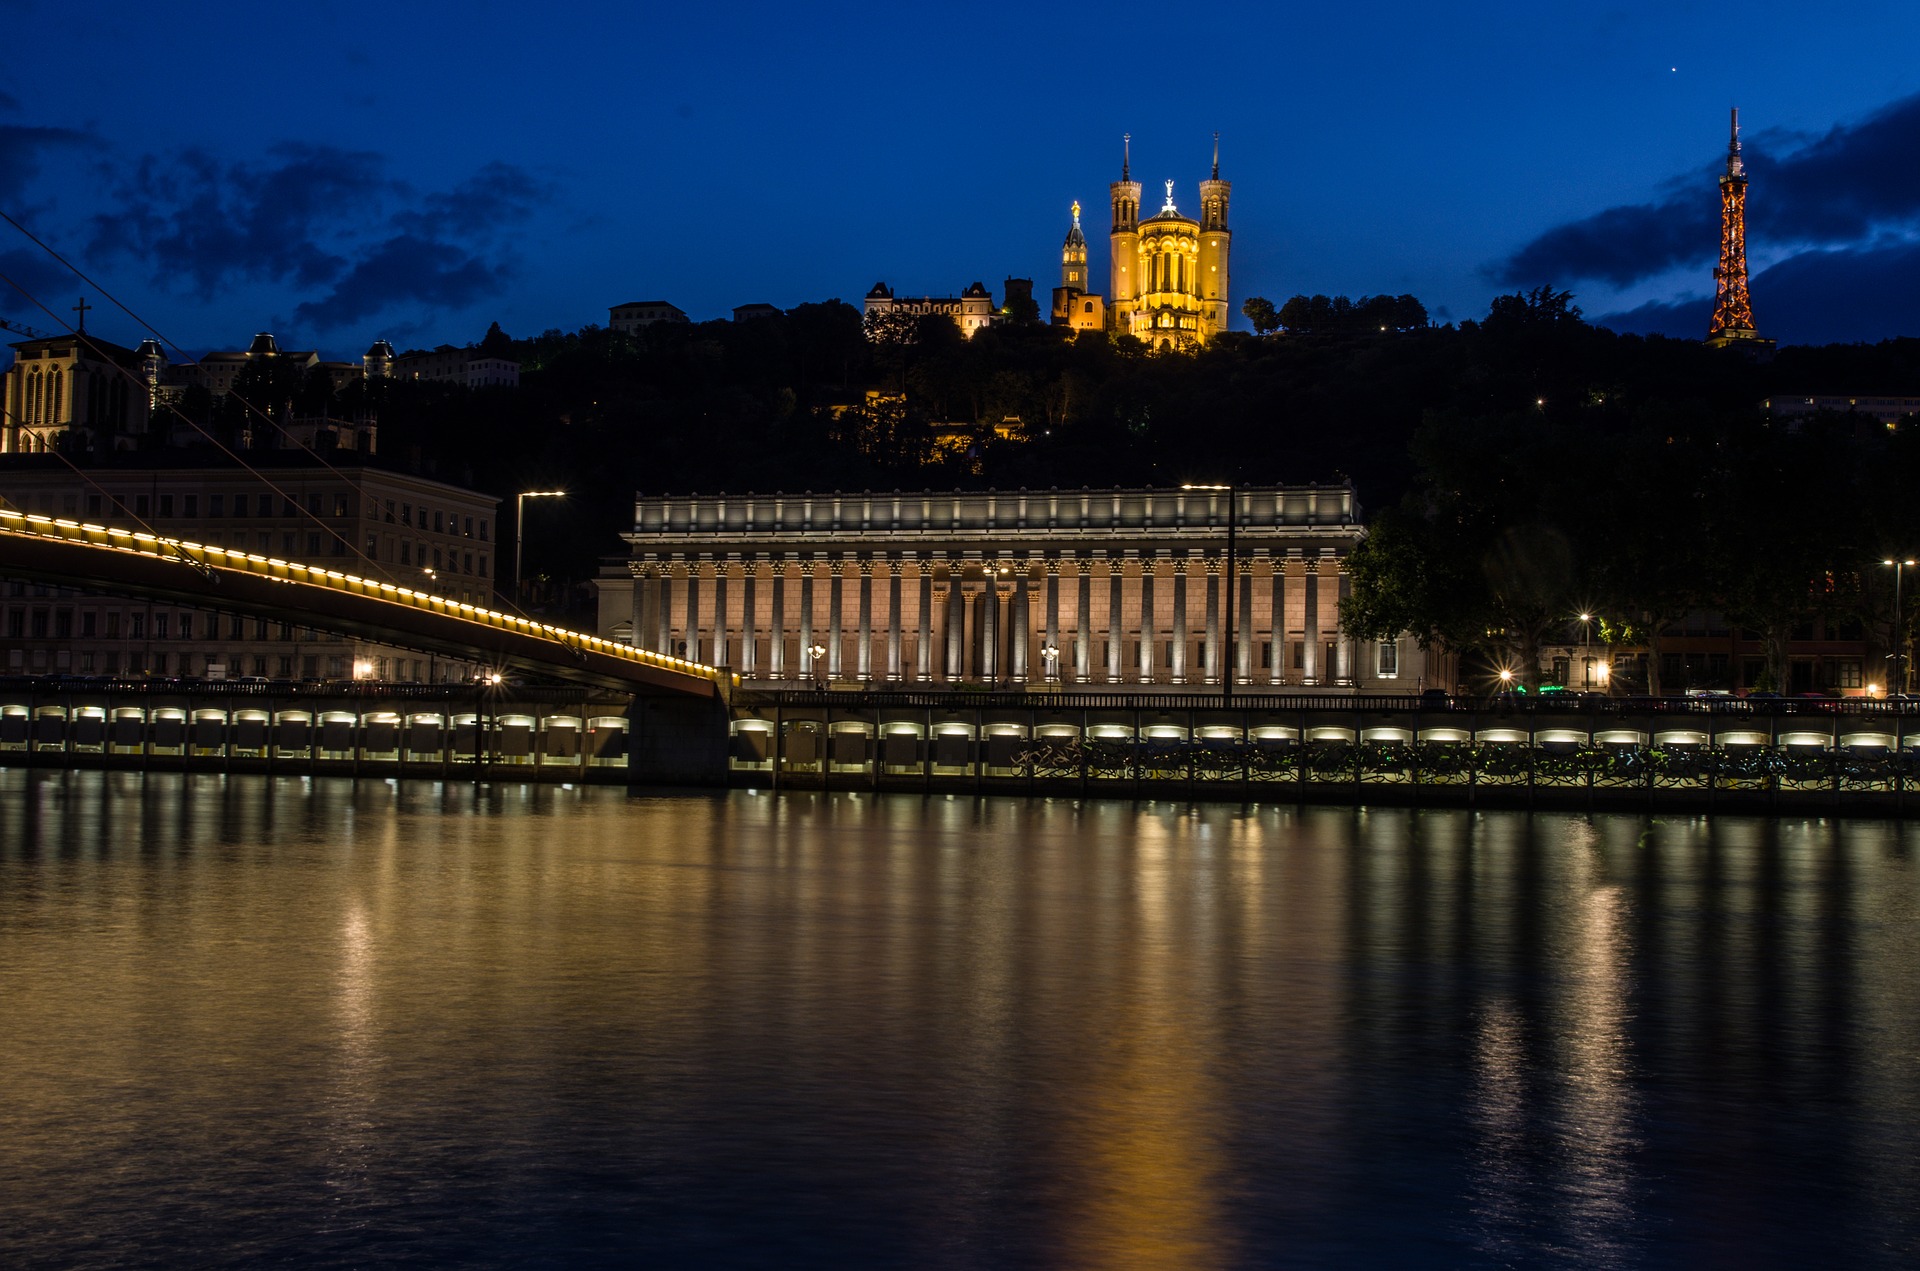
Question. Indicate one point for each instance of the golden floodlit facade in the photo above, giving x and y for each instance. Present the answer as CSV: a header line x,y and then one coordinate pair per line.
x,y
1168,281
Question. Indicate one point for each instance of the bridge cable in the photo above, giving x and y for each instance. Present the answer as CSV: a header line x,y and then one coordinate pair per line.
x,y
287,499
143,324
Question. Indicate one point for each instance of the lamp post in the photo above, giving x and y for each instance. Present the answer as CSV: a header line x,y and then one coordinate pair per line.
x,y
1899,626
816,652
1586,653
519,526
1231,599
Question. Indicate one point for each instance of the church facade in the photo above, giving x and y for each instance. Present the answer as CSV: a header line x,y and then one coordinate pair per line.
x,y
1167,275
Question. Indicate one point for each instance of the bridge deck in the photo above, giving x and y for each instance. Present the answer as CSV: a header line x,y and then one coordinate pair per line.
x,y
108,558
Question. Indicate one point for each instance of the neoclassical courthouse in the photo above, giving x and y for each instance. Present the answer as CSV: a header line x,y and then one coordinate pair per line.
x,y
1087,587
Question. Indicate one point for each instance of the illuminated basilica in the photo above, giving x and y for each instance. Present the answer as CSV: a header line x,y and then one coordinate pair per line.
x,y
1168,273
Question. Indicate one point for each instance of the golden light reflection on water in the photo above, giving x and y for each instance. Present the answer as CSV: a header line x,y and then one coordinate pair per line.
x,y
943,1032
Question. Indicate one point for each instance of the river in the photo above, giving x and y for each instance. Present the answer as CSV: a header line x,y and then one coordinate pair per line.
x,y
316,1022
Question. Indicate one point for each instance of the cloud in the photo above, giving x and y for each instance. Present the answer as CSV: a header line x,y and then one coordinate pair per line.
x,y
1835,190
210,221
24,149
1815,297
405,270
39,275
321,220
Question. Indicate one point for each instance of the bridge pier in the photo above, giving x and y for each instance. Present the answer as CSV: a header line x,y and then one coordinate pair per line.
x,y
677,741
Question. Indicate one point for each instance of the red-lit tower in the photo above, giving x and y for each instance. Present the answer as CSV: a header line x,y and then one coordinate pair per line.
x,y
1732,307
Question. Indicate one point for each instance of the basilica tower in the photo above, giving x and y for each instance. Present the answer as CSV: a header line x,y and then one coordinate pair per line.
x,y
1073,257
1215,241
1125,240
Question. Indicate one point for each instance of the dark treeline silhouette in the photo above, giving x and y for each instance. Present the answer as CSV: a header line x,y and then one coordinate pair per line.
x,y
806,401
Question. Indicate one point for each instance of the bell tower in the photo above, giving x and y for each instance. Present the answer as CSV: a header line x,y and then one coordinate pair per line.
x,y
1215,242
1125,240
1073,257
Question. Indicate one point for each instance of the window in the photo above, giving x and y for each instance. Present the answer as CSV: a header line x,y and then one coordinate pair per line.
x,y
16,624
236,627
483,564
186,626
216,505
113,625
467,566
39,624
1389,660
89,622
339,505
166,505
389,511
483,529
406,514
240,504
406,551
469,530
1846,672
160,621
339,545
191,504
142,506
63,624
1299,655
373,546
439,522
93,505
286,543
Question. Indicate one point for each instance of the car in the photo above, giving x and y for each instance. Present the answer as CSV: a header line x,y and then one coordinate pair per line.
x,y
1435,699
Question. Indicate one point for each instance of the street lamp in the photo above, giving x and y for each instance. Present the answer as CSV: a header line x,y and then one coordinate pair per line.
x,y
1899,626
1051,656
816,652
519,524
1233,649
1586,654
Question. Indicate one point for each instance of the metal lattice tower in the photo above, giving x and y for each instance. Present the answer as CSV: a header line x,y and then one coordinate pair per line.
x,y
1732,307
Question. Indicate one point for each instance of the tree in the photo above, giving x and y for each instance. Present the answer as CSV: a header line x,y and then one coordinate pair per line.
x,y
1261,313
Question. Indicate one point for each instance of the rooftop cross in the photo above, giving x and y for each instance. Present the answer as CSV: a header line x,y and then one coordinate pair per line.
x,y
81,309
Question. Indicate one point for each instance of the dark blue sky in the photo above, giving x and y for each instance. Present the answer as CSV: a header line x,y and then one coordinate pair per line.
x,y
335,173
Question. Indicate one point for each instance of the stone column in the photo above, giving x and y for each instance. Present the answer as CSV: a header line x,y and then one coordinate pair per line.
x,y
720,652
1277,631
1243,627
777,650
807,670
1017,626
1148,636
1345,670
1083,621
990,665
693,611
1116,580
749,634
956,625
835,632
641,582
923,655
1177,666
1053,614
1213,620
894,669
863,662
1314,671
663,610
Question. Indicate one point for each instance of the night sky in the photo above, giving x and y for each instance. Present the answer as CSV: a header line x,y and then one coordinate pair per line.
x,y
335,174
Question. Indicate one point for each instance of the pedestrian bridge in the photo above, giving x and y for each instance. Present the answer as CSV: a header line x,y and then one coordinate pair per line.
x,y
126,562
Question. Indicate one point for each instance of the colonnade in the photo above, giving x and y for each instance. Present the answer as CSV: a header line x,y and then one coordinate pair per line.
x,y
1068,617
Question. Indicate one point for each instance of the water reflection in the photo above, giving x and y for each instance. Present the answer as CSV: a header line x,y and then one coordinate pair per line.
x,y
338,1023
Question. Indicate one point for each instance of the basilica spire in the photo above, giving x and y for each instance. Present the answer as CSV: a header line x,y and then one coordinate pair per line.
x,y
1126,156
1216,156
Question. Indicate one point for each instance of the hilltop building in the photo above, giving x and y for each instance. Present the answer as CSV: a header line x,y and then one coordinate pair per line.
x,y
77,384
972,310
1168,281
1074,304
634,314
